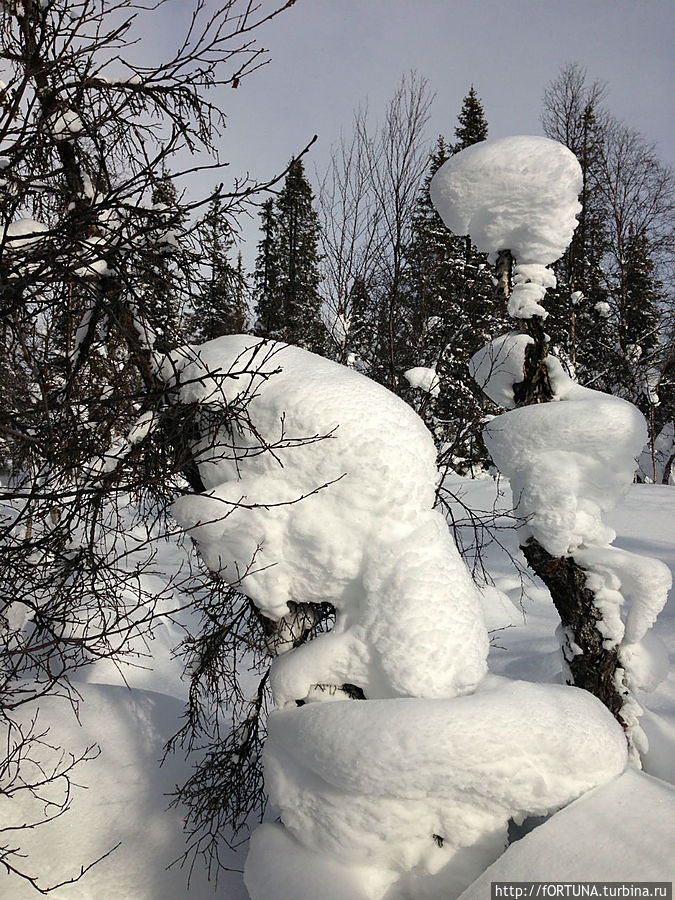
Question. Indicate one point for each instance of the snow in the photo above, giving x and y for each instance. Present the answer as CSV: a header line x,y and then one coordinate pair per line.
x,y
621,830
499,365
127,802
517,193
514,193
634,812
66,125
569,461
365,538
423,378
23,232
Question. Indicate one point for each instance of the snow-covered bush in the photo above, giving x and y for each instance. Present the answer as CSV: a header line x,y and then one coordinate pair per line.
x,y
568,451
327,496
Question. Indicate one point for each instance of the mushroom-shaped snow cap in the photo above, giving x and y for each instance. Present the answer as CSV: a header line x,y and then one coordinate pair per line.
x,y
514,193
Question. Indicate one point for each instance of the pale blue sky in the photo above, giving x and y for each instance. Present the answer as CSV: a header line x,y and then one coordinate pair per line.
x,y
327,56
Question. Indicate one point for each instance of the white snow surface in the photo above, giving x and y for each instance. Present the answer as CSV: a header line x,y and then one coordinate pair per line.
x,y
424,378
499,365
634,811
455,768
622,830
66,125
515,193
23,232
364,538
569,461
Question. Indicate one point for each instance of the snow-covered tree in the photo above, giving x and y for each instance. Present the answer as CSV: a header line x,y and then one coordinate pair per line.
x,y
393,761
89,432
568,451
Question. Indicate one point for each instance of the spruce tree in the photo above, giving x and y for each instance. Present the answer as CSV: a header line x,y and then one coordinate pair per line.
x,y
452,310
473,126
582,332
288,303
638,323
164,266
219,306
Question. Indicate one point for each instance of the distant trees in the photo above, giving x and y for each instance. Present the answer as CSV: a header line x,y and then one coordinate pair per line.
x,y
451,297
219,305
610,310
287,277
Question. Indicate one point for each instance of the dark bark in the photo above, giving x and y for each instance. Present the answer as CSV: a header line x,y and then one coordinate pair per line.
x,y
595,668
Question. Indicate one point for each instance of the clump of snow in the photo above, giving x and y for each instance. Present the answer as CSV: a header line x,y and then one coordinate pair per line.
x,y
602,309
23,232
568,461
499,365
66,125
514,193
425,379
455,769
365,538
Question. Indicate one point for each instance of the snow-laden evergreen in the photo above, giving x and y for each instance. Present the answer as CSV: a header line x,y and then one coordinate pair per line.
x,y
327,496
571,459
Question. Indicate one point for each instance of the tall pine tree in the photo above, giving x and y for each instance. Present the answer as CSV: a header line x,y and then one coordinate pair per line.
x,y
288,303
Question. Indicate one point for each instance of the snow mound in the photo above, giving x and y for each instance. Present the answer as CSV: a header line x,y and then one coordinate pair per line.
x,y
455,769
619,832
365,538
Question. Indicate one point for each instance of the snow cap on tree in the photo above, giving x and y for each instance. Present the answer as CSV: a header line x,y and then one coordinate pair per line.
x,y
517,193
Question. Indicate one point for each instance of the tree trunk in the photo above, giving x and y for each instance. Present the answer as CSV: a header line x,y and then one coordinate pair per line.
x,y
591,666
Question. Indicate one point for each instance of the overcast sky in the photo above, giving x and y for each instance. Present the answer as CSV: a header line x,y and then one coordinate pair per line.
x,y
328,56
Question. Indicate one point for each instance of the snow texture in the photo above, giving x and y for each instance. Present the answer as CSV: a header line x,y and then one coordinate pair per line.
x,y
569,460
452,755
458,769
580,843
23,233
425,379
499,365
365,538
515,193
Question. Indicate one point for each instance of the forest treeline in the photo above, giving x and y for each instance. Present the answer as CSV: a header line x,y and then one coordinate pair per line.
x,y
359,268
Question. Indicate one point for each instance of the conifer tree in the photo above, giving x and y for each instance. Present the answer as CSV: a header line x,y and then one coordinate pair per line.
x,y
165,266
473,126
220,304
288,303
578,322
451,308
